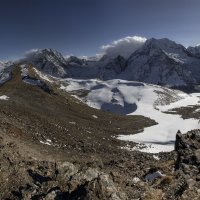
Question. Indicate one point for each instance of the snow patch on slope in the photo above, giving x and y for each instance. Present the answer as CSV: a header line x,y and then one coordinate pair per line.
x,y
43,76
4,97
161,137
136,98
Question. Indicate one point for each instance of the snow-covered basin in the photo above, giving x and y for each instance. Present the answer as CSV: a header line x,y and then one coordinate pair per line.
x,y
161,137
134,98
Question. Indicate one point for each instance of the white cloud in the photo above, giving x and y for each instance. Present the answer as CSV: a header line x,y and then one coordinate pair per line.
x,y
124,47
31,51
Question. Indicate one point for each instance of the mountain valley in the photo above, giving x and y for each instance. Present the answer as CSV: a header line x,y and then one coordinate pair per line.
x,y
114,128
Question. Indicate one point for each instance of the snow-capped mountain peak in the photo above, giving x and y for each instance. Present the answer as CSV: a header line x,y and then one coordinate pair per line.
x,y
50,55
157,61
49,61
171,48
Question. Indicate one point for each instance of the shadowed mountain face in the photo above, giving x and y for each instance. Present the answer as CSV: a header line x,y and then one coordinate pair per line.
x,y
195,51
49,61
158,61
161,62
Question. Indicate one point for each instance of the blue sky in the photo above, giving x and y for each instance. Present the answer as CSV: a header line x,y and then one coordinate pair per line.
x,y
81,27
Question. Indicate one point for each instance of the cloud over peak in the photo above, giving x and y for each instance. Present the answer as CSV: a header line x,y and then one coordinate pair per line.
x,y
31,51
124,46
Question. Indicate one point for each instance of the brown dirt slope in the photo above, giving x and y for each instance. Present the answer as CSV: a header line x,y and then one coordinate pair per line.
x,y
38,125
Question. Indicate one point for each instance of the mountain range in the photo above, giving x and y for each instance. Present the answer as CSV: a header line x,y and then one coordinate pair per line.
x,y
157,61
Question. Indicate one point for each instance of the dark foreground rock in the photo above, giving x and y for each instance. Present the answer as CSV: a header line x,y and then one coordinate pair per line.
x,y
49,181
24,178
188,163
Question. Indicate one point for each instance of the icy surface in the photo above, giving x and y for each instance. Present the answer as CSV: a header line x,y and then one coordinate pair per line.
x,y
161,137
135,98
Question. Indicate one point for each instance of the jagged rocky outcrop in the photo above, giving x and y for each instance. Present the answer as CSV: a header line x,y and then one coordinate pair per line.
x,y
49,61
195,51
67,180
187,167
64,180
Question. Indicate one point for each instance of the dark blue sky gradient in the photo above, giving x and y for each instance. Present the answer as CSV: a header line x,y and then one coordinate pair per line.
x,y
80,27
